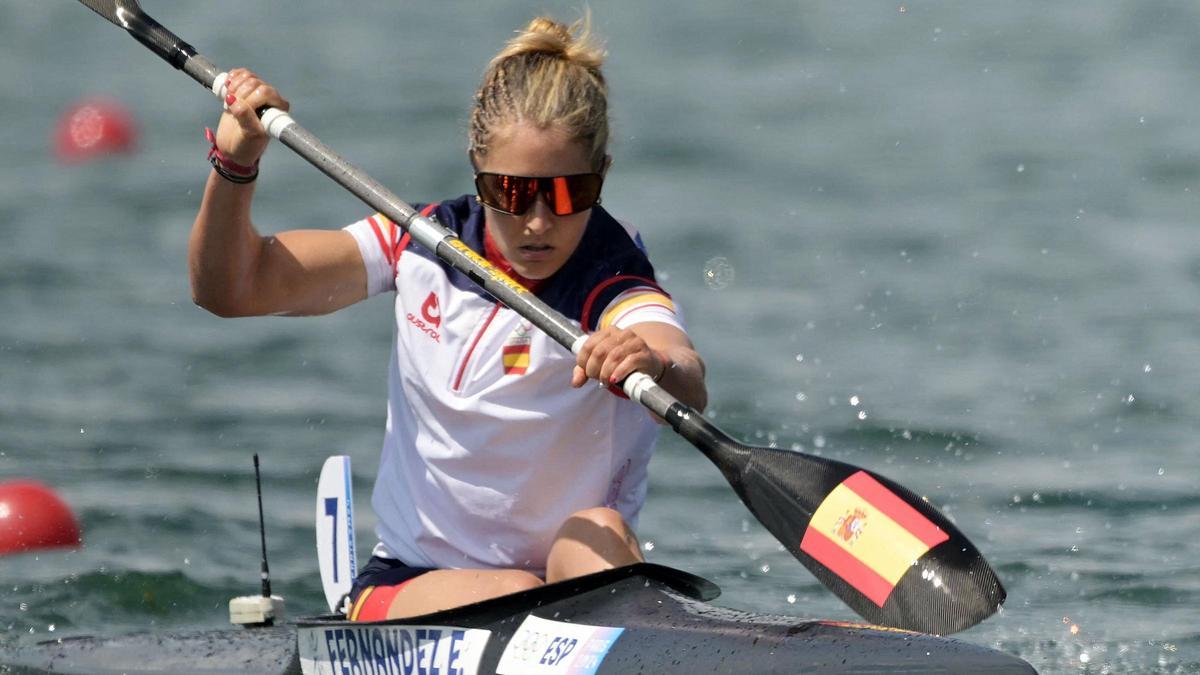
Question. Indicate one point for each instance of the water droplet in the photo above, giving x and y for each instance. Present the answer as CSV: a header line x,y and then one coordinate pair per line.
x,y
718,273
862,414
801,396
853,400
819,441
791,598
1020,168
765,568
649,546
50,628
1146,368
24,606
799,358
1129,399
1161,471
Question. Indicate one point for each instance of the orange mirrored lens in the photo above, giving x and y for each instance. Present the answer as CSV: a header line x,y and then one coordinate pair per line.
x,y
565,195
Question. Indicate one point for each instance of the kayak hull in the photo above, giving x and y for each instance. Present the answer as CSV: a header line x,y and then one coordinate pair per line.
x,y
642,618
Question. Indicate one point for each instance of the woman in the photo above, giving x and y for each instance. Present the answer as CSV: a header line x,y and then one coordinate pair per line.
x,y
496,476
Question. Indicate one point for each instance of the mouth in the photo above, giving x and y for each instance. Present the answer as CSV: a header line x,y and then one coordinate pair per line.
x,y
535,251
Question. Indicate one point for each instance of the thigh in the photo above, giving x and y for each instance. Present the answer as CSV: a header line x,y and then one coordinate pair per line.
x,y
443,589
435,590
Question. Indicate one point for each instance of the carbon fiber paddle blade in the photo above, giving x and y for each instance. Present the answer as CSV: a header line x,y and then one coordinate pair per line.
x,y
128,14
113,9
887,553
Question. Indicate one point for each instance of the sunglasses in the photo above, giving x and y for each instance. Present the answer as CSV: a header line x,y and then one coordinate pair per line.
x,y
514,195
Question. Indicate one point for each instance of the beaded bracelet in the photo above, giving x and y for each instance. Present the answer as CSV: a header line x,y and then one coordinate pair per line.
x,y
227,168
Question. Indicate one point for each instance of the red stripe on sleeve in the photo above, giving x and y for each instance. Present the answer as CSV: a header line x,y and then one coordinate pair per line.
x,y
895,508
383,242
585,315
866,580
617,319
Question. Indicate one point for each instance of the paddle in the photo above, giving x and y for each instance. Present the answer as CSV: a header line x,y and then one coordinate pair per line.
x,y
886,552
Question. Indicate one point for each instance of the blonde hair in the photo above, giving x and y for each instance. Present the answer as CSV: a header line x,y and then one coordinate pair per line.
x,y
549,76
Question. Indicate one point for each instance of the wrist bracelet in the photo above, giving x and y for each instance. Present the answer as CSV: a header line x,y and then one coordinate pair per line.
x,y
227,168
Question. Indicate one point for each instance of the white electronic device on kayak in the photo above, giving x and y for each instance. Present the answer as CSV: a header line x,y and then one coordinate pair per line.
x,y
263,609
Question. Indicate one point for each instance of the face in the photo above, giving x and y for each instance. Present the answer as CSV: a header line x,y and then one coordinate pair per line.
x,y
537,243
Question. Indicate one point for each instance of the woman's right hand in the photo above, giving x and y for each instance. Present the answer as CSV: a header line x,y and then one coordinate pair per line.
x,y
241,137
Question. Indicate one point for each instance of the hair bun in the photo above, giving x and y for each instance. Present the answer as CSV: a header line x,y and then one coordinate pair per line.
x,y
544,35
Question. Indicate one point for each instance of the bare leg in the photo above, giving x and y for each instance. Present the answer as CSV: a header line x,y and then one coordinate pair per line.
x,y
443,589
590,541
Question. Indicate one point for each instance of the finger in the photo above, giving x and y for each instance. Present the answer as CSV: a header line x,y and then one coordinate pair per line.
x,y
594,365
578,377
611,370
638,359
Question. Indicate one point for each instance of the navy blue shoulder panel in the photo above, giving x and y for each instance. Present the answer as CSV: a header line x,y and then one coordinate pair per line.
x,y
606,263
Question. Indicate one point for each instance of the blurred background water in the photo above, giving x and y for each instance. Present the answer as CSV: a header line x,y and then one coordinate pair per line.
x,y
951,242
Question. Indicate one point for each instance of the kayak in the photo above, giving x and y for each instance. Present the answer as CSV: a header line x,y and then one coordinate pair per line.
x,y
641,618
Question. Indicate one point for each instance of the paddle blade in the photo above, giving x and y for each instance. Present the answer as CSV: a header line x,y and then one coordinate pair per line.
x,y
128,14
886,552
114,10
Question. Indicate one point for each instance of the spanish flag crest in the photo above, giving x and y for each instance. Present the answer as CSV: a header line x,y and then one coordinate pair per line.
x,y
515,353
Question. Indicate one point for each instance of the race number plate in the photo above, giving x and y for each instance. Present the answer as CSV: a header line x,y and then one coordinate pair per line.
x,y
544,647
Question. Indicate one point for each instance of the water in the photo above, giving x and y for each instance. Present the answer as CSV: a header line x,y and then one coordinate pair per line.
x,y
974,221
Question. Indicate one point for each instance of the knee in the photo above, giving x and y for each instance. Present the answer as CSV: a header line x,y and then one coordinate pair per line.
x,y
515,581
600,516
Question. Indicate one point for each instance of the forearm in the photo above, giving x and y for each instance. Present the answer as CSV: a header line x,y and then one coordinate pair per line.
x,y
224,249
683,375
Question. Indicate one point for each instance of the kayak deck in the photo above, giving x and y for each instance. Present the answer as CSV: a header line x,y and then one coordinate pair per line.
x,y
642,618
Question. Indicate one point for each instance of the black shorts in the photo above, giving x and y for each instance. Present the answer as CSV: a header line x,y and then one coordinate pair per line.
x,y
377,585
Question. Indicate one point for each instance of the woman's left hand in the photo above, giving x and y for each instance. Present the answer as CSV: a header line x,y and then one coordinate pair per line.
x,y
611,354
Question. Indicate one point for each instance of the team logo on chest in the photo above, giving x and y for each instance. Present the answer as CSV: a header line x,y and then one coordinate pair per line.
x,y
430,319
515,353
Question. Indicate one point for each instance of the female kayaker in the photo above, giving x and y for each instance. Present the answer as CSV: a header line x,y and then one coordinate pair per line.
x,y
500,469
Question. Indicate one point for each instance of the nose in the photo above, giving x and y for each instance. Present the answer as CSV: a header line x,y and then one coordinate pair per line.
x,y
539,218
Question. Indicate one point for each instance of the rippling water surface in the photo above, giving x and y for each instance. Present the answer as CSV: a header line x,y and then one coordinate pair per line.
x,y
952,242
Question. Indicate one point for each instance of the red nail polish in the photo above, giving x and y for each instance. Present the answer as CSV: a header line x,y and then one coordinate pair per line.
x,y
612,380
230,99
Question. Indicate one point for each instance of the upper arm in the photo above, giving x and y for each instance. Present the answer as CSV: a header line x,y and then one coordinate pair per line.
x,y
307,272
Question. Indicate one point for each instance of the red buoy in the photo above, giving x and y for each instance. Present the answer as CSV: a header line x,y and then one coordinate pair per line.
x,y
33,517
94,127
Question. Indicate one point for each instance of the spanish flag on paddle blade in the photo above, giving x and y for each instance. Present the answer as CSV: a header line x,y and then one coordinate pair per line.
x,y
868,536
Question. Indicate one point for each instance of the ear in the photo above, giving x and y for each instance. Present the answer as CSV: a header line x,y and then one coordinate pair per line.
x,y
608,160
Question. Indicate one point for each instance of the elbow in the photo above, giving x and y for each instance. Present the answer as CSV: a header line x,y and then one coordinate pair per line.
x,y
225,310
222,304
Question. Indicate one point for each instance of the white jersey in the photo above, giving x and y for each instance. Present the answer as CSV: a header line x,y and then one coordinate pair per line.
x,y
488,449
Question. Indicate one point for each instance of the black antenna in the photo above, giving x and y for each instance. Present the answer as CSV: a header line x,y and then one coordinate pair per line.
x,y
262,531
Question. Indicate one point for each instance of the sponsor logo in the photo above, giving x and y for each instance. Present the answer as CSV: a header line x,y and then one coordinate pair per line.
x,y
391,649
431,311
544,647
850,526
431,318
